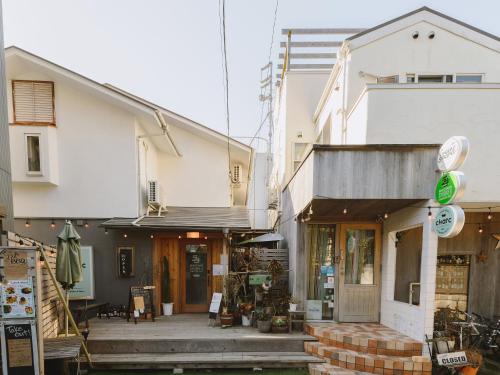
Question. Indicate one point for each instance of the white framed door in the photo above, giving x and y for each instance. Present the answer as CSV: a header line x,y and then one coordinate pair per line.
x,y
359,273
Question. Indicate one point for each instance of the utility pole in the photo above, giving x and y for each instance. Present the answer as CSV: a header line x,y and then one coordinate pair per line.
x,y
6,210
266,96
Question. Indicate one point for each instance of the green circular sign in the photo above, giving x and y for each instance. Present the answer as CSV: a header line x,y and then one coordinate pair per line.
x,y
450,187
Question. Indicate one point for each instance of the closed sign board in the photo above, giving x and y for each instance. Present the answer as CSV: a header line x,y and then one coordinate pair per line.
x,y
452,359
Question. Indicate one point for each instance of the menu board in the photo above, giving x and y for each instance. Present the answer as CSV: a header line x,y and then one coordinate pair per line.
x,y
17,299
18,348
452,279
15,265
125,261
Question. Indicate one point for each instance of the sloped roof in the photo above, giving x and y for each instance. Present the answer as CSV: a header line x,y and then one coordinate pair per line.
x,y
129,98
195,218
424,9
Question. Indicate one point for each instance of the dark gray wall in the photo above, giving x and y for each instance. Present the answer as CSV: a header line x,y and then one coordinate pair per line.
x,y
108,286
408,260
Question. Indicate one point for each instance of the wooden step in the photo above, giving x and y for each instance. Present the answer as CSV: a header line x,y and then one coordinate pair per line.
x,y
365,338
151,361
269,343
327,369
373,363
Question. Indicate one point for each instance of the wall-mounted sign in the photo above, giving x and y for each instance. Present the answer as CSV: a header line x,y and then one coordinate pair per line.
x,y
17,299
259,279
449,221
450,187
15,265
85,288
125,258
453,153
19,348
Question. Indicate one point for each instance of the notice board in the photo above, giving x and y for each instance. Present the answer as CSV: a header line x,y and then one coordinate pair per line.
x,y
126,262
19,347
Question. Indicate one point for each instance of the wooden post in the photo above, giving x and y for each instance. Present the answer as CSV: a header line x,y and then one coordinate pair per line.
x,y
65,305
38,270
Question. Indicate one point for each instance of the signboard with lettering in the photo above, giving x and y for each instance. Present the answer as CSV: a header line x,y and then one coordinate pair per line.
x,y
19,347
17,299
85,288
141,302
455,359
450,187
453,153
314,309
15,265
215,305
449,221
259,279
126,263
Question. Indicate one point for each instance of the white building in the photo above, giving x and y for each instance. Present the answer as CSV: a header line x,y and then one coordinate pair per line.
x,y
356,164
95,154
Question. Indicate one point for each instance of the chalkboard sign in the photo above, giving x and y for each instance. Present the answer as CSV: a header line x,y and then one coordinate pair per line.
x,y
125,258
19,347
141,302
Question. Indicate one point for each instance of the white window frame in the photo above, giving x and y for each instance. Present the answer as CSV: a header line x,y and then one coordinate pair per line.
x,y
40,151
469,74
416,76
298,161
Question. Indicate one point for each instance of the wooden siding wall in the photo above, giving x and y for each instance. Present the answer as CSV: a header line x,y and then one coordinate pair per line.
x,y
51,308
170,247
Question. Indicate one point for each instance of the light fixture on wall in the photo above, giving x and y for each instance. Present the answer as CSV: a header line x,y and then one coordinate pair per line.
x,y
310,209
52,224
105,230
480,230
206,237
152,236
386,216
344,211
180,237
490,216
27,223
86,224
125,235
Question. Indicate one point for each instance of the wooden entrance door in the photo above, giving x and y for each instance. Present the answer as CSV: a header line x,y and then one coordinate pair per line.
x,y
196,263
359,276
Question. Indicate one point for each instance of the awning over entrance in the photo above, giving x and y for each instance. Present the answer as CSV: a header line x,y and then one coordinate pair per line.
x,y
202,218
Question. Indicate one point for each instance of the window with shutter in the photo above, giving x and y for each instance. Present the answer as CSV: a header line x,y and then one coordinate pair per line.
x,y
33,102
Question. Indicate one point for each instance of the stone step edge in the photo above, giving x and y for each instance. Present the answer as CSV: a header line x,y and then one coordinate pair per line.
x,y
370,350
356,342
327,369
368,362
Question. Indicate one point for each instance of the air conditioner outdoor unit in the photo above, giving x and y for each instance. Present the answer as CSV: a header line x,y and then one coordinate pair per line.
x,y
153,192
237,173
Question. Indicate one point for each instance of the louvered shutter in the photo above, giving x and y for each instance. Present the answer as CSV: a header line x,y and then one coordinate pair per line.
x,y
33,102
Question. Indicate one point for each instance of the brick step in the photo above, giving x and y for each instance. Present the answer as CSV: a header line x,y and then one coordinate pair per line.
x,y
365,338
373,363
327,369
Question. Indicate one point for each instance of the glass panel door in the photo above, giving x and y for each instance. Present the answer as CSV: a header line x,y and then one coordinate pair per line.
x,y
195,277
360,256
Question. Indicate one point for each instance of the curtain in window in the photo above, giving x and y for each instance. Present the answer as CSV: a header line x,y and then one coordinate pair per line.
x,y
33,150
359,257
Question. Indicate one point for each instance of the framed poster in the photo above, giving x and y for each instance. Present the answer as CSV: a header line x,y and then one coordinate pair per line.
x,y
18,300
85,289
19,347
126,262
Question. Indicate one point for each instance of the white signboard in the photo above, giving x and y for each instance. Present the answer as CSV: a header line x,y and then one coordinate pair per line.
x,y
314,309
85,289
453,153
452,359
219,269
17,299
449,221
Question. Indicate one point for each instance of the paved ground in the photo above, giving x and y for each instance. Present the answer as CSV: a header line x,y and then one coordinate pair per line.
x,y
213,372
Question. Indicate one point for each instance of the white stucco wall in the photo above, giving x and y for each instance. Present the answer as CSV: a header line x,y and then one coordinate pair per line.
x,y
257,192
96,159
414,321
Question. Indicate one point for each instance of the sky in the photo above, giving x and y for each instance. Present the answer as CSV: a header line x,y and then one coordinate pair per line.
x,y
169,51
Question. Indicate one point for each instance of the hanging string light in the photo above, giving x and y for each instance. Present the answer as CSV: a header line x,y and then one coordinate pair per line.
x,y
429,214
125,235
345,211
480,228
27,224
152,236
52,224
105,230
386,215
86,224
490,216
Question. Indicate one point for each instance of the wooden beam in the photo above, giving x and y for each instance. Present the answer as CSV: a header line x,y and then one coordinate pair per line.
x,y
310,55
308,66
322,31
312,44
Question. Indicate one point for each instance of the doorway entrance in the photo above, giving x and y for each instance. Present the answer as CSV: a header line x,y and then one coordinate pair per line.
x,y
359,274
195,276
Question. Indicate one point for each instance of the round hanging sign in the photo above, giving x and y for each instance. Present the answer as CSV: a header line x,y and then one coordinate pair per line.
x,y
449,221
450,187
453,153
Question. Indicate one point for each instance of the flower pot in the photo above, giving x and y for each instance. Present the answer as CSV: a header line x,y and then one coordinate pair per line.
x,y
264,326
167,308
469,370
280,329
246,321
226,320
293,307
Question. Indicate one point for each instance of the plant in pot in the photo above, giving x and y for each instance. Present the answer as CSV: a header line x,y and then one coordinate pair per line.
x,y
279,324
226,317
293,303
246,309
167,305
263,322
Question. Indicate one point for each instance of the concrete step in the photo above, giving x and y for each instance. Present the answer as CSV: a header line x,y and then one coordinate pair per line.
x,y
270,343
327,369
152,361
372,363
365,338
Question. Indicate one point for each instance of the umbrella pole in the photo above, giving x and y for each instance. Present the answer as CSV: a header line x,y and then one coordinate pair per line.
x,y
65,304
66,315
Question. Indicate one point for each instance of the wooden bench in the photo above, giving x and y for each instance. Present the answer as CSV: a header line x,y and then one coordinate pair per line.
x,y
60,352
80,312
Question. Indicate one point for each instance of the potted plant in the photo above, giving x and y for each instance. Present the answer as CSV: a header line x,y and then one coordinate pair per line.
x,y
293,303
246,313
167,305
226,317
279,324
263,322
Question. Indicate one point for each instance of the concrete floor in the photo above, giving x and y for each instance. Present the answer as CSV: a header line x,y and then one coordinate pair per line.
x,y
179,326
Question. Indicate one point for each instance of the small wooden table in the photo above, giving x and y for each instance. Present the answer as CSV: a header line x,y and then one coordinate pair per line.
x,y
298,316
